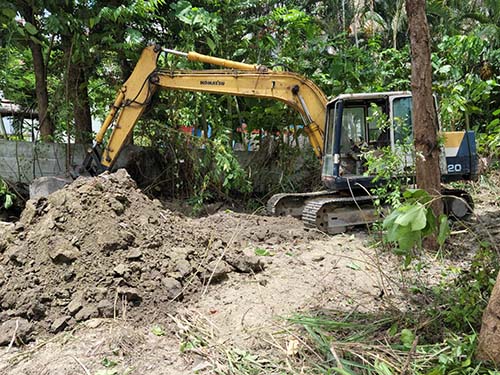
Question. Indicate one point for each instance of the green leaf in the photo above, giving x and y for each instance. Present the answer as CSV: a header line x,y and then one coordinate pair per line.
x,y
93,21
444,230
466,363
108,362
420,221
262,252
389,219
431,226
353,266
419,195
409,239
9,201
30,28
403,236
9,12
134,36
239,52
211,44
494,123
407,337
382,368
21,31
445,69
158,331
394,329
35,40
408,259
414,215
393,232
116,14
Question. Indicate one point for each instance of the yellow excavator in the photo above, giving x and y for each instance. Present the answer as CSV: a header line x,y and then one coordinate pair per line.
x,y
335,129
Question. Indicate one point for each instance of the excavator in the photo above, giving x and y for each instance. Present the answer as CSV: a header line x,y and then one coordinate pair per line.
x,y
337,130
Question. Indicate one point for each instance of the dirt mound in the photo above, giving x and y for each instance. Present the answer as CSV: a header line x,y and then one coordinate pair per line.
x,y
101,248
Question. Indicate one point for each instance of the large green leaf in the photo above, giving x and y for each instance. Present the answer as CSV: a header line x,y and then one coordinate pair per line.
x,y
414,215
408,238
9,12
30,28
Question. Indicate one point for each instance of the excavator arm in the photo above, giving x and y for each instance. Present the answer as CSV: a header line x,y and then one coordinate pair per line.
x,y
237,79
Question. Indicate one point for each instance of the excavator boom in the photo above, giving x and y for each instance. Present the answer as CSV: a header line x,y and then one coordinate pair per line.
x,y
238,79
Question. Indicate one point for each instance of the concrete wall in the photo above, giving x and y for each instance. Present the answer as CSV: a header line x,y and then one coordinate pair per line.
x,y
24,161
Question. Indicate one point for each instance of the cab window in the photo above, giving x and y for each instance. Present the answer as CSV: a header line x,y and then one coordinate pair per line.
x,y
353,127
402,119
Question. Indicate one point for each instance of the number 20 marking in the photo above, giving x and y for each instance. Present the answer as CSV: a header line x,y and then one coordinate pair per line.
x,y
453,168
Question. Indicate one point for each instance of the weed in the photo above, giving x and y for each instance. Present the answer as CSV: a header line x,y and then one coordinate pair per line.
x,y
158,331
371,344
197,168
459,305
6,197
412,221
106,362
259,251
409,218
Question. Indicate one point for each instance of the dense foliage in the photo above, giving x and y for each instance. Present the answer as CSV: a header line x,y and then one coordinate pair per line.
x,y
89,48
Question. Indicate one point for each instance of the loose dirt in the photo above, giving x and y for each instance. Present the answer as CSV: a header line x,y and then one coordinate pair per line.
x,y
98,277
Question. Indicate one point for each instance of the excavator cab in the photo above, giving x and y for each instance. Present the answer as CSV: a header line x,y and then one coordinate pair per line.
x,y
357,123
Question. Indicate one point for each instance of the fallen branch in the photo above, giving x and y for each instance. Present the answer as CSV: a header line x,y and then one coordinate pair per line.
x,y
87,372
13,336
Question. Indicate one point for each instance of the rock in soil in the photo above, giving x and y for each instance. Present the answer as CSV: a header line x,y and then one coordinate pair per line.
x,y
18,328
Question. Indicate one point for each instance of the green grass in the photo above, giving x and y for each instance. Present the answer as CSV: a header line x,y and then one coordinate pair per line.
x,y
387,344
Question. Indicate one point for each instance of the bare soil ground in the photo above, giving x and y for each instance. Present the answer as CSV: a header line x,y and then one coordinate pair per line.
x,y
99,279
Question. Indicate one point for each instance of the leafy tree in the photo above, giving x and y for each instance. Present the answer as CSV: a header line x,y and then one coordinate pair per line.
x,y
466,96
31,31
67,41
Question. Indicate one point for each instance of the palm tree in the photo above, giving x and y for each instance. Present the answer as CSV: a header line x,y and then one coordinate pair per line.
x,y
458,17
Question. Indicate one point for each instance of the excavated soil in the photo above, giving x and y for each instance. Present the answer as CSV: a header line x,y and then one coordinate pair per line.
x,y
98,273
101,248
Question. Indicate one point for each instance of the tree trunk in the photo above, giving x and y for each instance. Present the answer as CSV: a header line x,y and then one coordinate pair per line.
x,y
46,126
489,336
424,114
80,100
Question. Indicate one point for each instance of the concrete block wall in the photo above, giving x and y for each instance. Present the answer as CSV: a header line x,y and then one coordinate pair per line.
x,y
25,161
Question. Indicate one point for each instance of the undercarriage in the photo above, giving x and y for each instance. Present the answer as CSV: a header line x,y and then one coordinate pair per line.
x,y
338,211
